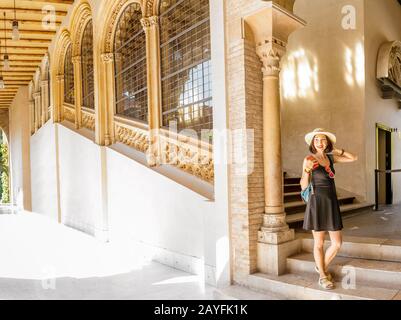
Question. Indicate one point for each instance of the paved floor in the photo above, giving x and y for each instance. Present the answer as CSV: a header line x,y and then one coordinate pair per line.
x,y
40,259
385,223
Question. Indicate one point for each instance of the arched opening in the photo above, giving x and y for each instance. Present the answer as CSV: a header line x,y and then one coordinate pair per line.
x,y
4,169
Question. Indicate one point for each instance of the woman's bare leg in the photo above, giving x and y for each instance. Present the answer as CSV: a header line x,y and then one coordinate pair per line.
x,y
332,251
318,252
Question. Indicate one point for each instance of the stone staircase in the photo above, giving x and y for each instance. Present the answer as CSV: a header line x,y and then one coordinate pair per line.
x,y
295,207
366,268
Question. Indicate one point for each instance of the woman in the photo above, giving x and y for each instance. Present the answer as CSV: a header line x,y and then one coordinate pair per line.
x,y
322,212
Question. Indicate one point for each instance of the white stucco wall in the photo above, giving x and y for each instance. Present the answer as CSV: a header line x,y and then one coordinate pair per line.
x,y
19,150
43,171
80,180
383,24
323,87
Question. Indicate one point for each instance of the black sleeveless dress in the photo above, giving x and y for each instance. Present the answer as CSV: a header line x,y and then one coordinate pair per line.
x,y
323,211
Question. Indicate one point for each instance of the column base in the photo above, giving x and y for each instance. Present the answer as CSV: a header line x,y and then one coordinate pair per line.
x,y
267,236
272,258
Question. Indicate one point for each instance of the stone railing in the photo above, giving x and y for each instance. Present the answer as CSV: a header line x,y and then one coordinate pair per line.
x,y
88,118
191,156
131,136
69,113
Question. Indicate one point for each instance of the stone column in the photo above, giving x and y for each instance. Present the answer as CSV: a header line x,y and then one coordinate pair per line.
x,y
36,97
151,27
76,60
270,28
105,114
59,99
32,115
45,100
275,229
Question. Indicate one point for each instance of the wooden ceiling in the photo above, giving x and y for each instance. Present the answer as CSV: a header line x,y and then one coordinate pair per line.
x,y
26,54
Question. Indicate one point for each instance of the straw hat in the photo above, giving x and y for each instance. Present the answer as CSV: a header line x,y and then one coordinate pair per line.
x,y
310,135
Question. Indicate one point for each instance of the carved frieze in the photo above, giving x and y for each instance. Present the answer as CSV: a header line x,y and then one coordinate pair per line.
x,y
132,137
189,158
88,121
69,114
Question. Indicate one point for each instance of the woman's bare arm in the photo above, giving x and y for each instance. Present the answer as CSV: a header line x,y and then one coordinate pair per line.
x,y
346,157
305,179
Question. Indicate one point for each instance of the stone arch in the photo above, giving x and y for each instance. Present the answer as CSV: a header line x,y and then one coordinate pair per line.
x,y
36,79
62,42
45,67
4,122
80,17
113,14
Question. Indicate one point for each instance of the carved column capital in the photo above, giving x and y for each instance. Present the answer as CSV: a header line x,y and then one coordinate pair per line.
x,y
150,22
107,57
270,54
60,77
76,59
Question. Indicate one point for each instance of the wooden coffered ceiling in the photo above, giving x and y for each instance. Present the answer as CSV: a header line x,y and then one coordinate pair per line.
x,y
26,54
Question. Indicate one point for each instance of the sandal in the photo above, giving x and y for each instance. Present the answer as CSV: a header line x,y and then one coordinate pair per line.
x,y
329,277
326,284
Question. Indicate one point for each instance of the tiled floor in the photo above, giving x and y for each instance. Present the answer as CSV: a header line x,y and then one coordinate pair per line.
x,y
43,260
385,223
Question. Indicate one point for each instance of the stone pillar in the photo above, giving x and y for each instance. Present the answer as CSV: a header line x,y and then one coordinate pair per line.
x,y
59,100
105,112
36,97
32,115
77,62
151,27
45,100
270,28
275,229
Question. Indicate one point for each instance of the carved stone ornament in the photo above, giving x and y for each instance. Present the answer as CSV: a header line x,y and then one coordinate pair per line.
x,y
69,114
107,57
132,137
188,158
150,21
88,121
270,59
389,69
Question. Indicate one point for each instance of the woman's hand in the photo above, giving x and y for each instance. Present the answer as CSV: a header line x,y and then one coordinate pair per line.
x,y
310,163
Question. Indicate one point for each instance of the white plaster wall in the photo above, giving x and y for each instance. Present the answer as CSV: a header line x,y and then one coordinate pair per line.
x,y
80,180
326,63
44,171
19,150
151,208
383,24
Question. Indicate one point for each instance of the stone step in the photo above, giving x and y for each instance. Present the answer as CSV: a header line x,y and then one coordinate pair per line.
x,y
292,187
292,196
300,206
359,247
345,209
376,273
305,287
295,180
236,292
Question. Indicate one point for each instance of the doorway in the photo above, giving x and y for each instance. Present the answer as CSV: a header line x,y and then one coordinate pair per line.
x,y
384,162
